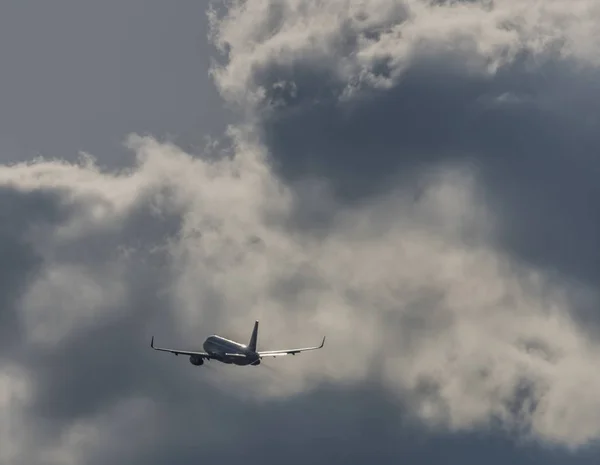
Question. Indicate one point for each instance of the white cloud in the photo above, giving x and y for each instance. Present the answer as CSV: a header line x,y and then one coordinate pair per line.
x,y
351,42
68,297
458,326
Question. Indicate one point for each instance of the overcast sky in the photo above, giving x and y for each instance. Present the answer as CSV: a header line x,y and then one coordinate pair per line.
x,y
81,76
416,180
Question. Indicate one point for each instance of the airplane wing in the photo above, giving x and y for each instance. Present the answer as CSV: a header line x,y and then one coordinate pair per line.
x,y
179,352
281,353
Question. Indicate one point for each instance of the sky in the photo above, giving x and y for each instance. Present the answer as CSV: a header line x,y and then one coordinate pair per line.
x,y
414,179
80,77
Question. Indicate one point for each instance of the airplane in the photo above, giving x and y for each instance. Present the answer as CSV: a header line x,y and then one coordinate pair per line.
x,y
233,353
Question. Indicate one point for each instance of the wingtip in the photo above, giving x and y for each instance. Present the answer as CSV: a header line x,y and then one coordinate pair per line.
x,y
152,342
323,342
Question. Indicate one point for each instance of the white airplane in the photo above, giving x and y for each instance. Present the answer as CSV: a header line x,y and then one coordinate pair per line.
x,y
231,352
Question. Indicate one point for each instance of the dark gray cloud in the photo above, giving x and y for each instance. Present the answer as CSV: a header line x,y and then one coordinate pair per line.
x,y
90,368
20,214
353,425
529,131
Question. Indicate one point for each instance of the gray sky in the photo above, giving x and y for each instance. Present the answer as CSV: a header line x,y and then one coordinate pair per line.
x,y
81,76
418,183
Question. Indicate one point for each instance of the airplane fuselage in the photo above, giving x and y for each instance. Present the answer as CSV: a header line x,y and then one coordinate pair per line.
x,y
220,348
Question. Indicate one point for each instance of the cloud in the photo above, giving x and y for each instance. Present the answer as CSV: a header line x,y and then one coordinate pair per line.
x,y
364,45
374,90
368,197
459,334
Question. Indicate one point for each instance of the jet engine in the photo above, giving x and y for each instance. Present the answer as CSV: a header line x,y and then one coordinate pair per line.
x,y
196,360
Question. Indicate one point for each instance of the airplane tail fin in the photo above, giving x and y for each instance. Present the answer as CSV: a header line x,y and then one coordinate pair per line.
x,y
253,338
